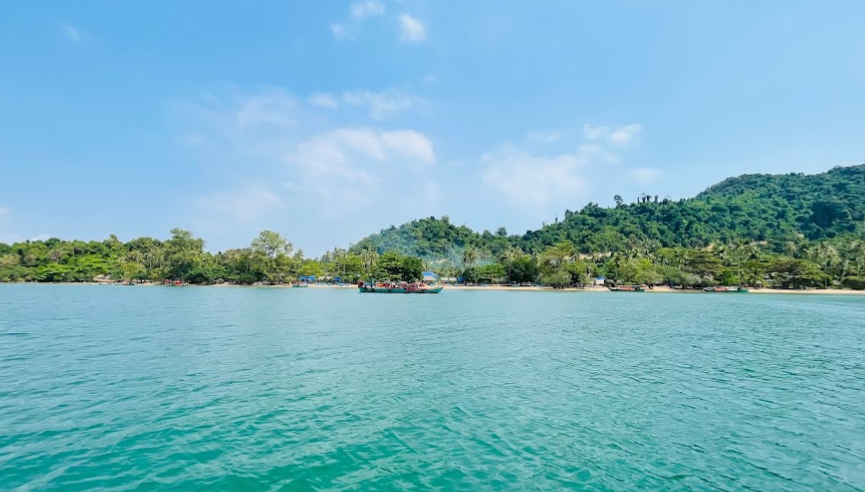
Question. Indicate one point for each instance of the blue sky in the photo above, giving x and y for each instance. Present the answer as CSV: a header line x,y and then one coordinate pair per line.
x,y
327,121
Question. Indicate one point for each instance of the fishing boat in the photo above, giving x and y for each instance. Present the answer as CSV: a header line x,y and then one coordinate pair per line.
x,y
298,285
398,288
734,290
627,288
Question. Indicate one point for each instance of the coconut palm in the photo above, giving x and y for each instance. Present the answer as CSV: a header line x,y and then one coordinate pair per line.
x,y
470,256
370,258
509,256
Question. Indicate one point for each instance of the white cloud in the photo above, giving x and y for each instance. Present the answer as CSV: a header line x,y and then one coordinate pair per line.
x,y
272,108
366,8
621,136
625,135
323,100
595,150
298,157
410,144
340,32
594,132
644,175
534,181
4,211
245,204
544,137
41,237
411,29
430,78
382,105
74,33
344,168
538,179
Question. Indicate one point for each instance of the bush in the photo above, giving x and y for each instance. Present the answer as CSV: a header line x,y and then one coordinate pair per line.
x,y
855,283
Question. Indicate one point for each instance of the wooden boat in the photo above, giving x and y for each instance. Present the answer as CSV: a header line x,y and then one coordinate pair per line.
x,y
398,288
734,290
627,288
299,286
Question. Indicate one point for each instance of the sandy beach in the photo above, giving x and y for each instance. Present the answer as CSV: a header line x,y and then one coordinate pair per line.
x,y
522,288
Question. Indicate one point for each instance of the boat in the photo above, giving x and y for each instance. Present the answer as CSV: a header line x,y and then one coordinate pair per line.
x,y
299,285
398,288
176,283
734,290
627,288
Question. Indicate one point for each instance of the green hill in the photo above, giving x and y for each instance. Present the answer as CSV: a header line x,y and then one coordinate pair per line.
x,y
774,209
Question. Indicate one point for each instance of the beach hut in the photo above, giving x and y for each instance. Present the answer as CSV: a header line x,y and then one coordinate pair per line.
x,y
429,277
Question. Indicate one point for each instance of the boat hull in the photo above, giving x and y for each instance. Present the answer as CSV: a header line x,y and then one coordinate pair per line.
x,y
617,289
725,291
396,290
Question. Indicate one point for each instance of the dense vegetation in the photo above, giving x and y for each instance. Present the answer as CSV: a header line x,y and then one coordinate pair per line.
x,y
784,231
270,258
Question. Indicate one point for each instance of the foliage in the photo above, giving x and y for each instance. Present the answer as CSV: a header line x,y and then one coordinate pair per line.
x,y
787,231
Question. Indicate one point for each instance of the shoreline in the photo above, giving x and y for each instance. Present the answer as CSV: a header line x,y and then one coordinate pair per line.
x,y
500,288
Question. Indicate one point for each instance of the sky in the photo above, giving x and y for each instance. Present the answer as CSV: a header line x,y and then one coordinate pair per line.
x,y
328,121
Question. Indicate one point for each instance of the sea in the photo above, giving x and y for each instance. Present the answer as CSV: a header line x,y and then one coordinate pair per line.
x,y
118,388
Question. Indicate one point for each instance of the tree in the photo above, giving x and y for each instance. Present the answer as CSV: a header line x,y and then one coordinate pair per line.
x,y
470,256
370,259
272,244
619,201
524,270
501,232
510,255
412,269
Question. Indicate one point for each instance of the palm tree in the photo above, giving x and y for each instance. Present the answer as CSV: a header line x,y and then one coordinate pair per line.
x,y
825,255
370,258
509,256
470,256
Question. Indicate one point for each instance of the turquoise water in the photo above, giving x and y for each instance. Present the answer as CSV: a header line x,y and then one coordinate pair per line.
x,y
179,389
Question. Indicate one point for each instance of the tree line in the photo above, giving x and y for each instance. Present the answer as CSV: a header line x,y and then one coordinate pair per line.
x,y
270,258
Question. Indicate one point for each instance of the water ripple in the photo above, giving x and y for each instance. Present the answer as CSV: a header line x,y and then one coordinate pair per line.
x,y
277,389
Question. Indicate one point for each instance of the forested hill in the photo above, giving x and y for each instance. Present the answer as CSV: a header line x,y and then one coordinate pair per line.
x,y
781,210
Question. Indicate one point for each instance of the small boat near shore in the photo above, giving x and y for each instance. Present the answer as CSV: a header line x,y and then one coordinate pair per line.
x,y
627,288
732,290
398,288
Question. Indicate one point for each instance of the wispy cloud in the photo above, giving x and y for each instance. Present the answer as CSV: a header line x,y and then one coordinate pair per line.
x,y
621,136
269,138
41,237
411,29
4,211
345,167
382,105
529,180
536,178
625,135
644,175
245,204
323,100
341,32
74,33
544,136
367,8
